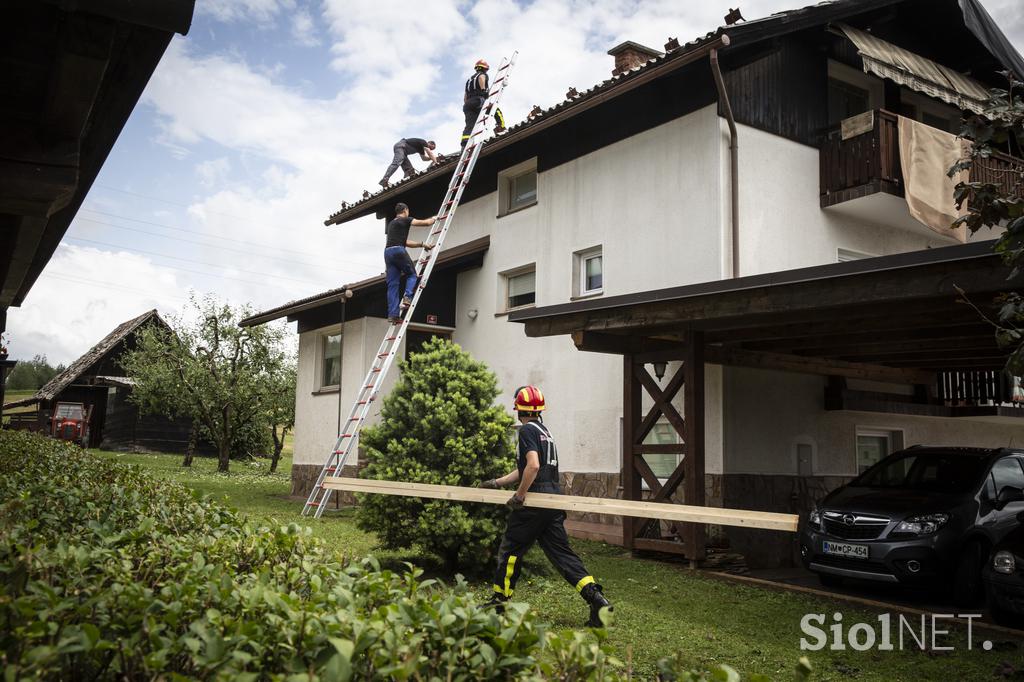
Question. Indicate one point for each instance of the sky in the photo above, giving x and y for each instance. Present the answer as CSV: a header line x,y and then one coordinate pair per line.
x,y
269,113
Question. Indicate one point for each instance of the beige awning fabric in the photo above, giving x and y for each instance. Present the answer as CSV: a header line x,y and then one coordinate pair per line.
x,y
926,154
886,60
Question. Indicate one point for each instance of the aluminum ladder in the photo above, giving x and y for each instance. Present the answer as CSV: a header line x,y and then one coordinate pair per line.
x,y
320,496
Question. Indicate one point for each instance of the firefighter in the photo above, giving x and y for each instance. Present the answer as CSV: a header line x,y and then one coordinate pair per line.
x,y
403,148
537,471
473,99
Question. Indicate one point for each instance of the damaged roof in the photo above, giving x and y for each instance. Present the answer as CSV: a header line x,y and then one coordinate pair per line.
x,y
676,56
76,369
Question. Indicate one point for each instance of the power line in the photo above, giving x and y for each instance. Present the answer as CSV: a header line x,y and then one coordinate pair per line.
x,y
203,234
112,286
366,268
196,262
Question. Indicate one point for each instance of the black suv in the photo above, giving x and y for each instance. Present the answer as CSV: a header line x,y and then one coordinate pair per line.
x,y
920,515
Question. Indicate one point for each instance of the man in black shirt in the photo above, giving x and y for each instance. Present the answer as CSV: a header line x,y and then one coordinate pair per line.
x,y
397,262
403,148
473,98
537,471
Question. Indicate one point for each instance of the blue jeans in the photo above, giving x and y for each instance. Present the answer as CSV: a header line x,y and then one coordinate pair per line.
x,y
397,263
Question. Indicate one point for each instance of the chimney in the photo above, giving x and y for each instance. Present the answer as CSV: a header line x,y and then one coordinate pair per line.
x,y
629,55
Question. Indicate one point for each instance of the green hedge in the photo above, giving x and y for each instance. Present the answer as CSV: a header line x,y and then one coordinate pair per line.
x,y
107,573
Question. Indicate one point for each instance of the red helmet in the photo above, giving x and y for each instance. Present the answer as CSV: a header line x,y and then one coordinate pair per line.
x,y
482,64
529,399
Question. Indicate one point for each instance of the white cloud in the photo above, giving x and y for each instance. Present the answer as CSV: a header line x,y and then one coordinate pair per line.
x,y
255,11
304,30
213,172
82,295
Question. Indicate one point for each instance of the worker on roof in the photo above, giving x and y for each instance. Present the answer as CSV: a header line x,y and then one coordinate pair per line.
x,y
397,261
473,100
537,471
403,148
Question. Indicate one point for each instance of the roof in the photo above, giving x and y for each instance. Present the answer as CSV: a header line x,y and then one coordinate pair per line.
x,y
895,316
677,56
57,384
636,47
446,257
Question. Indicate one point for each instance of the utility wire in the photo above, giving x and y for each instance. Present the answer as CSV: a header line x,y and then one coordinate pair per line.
x,y
196,262
216,246
204,234
111,285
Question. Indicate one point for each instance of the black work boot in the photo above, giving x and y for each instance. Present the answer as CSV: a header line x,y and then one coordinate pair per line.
x,y
497,602
593,596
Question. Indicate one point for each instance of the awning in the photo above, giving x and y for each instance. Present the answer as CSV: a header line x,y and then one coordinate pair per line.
x,y
886,60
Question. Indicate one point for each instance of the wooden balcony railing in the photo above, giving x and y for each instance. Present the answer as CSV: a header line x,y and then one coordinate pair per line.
x,y
870,162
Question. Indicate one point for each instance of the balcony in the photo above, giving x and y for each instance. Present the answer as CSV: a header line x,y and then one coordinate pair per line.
x,y
862,177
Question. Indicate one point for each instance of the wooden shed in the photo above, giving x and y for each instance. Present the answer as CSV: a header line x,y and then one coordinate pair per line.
x,y
98,380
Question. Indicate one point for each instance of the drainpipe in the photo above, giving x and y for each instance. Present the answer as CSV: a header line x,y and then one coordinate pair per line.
x,y
723,98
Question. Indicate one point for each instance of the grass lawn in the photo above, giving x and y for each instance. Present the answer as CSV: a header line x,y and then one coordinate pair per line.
x,y
660,608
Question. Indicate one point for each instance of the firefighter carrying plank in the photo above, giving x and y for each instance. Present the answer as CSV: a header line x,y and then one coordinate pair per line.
x,y
537,471
473,100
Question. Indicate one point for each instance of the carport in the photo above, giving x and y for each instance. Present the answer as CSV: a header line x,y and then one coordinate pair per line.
x,y
896,319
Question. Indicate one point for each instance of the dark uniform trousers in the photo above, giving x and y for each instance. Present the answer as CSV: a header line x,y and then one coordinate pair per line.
x,y
471,109
545,526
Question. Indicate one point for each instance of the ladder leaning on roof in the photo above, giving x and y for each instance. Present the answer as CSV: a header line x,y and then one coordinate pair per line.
x,y
319,496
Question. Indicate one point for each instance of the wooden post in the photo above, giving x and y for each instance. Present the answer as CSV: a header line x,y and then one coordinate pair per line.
x,y
693,416
631,411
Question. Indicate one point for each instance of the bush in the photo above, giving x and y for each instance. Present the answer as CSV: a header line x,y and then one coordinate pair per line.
x,y
106,573
439,425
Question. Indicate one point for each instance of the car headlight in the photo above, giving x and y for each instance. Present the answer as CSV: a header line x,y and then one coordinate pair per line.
x,y
1004,562
924,524
814,519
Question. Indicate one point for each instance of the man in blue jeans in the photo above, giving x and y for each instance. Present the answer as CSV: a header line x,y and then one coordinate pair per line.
x,y
397,261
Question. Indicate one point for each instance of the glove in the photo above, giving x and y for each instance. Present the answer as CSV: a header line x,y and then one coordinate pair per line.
x,y
490,484
515,502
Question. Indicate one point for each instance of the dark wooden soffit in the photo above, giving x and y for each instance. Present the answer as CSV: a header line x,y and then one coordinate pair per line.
x,y
71,73
894,318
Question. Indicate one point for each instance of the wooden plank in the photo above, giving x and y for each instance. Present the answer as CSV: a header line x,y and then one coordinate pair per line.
x,y
595,505
666,546
632,410
800,364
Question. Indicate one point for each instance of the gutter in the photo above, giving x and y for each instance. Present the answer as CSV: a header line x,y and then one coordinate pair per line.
x,y
734,191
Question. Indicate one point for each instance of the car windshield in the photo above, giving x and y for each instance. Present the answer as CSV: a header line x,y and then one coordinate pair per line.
x,y
66,411
931,472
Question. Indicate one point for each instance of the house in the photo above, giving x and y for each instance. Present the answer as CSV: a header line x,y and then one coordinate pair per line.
x,y
98,381
72,73
725,294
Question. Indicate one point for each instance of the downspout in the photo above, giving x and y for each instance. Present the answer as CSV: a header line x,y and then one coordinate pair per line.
x,y
723,98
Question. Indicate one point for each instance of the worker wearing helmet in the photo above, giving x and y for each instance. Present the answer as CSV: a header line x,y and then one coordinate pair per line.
x,y
537,471
473,100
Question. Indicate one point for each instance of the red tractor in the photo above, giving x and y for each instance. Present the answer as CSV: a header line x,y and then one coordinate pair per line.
x,y
71,422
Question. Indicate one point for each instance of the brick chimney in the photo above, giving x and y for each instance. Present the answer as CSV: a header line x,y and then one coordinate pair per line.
x,y
629,55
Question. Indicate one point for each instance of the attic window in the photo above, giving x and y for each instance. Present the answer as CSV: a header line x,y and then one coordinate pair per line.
x,y
517,187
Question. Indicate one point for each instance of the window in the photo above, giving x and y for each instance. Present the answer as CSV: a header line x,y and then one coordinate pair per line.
x,y
330,360
662,434
588,272
523,190
520,288
517,187
847,255
846,100
1007,472
873,446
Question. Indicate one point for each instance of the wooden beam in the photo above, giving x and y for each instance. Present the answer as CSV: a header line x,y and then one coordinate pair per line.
x,y
632,410
787,339
693,461
596,505
596,342
735,357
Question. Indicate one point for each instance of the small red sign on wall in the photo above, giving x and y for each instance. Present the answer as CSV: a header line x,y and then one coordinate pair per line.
x,y
431,319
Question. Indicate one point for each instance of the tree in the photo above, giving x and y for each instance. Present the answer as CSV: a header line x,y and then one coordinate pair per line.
x,y
281,407
439,425
1000,128
31,375
210,370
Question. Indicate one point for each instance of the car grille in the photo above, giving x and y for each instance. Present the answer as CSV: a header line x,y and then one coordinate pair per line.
x,y
862,528
853,564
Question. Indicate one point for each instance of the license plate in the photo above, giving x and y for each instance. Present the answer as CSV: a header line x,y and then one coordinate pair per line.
x,y
845,549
